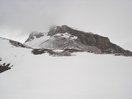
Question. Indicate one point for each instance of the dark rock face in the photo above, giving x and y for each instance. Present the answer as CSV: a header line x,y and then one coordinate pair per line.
x,y
17,44
4,67
86,38
51,52
117,50
90,39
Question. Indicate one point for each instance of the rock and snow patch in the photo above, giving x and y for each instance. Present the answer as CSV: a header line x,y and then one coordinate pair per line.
x,y
36,42
35,35
41,42
66,35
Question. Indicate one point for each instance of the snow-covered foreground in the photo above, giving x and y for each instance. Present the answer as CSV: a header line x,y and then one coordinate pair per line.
x,y
84,76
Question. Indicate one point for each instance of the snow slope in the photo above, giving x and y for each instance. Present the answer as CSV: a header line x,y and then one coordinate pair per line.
x,y
46,41
36,41
84,76
10,53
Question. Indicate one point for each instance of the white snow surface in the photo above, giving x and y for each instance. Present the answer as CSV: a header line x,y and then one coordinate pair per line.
x,y
39,42
84,76
35,43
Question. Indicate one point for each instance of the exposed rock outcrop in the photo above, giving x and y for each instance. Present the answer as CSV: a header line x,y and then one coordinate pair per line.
x,y
90,39
4,67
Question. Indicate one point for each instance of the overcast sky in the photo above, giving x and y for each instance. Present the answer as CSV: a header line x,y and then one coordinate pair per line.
x,y
111,18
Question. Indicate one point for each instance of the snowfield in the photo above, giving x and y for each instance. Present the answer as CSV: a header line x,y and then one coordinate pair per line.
x,y
41,41
84,76
36,41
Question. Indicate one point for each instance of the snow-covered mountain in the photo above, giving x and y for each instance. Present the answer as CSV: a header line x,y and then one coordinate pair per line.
x,y
64,37
84,76
59,41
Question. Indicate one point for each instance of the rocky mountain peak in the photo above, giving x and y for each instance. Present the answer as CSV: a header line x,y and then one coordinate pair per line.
x,y
59,37
34,35
58,29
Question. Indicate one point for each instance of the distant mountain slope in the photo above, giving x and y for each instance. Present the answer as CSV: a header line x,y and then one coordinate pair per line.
x,y
10,51
64,37
9,42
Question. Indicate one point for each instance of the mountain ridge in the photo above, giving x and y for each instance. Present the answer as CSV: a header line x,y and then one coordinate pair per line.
x,y
69,40
85,41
